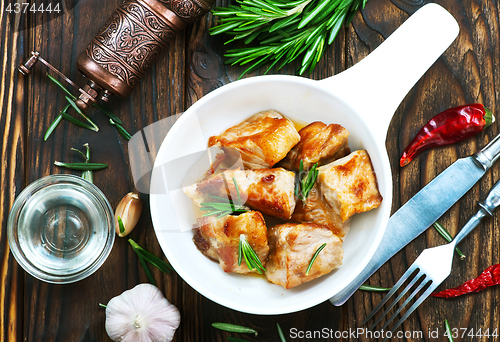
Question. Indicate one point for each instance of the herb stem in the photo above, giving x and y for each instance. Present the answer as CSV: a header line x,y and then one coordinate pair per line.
x,y
152,259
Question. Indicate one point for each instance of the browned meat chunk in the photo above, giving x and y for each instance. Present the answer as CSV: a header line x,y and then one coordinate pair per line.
x,y
292,247
270,191
262,140
219,238
317,210
350,184
319,143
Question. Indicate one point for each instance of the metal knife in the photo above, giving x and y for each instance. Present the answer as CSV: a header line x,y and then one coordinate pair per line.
x,y
423,209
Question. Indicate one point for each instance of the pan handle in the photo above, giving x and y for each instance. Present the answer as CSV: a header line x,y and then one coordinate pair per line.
x,y
376,85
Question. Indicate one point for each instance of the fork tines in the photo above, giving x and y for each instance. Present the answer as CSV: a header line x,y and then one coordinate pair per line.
x,y
417,280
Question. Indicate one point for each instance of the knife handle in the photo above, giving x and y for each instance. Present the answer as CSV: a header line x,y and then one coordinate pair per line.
x,y
489,154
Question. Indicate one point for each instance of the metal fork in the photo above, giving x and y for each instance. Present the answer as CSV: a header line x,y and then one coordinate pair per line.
x,y
433,266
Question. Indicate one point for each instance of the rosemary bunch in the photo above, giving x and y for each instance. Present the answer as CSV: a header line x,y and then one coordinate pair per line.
x,y
224,206
283,30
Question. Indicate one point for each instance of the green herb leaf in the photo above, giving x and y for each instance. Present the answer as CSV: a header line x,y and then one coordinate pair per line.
x,y
77,122
226,207
123,132
82,166
320,248
373,288
273,24
280,333
60,85
152,259
304,184
447,236
121,227
82,114
236,339
251,258
109,113
54,124
147,270
448,331
234,328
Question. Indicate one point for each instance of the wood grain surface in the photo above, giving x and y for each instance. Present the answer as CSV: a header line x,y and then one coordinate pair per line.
x,y
193,65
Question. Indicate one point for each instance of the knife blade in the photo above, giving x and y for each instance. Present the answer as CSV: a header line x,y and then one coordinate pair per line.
x,y
423,209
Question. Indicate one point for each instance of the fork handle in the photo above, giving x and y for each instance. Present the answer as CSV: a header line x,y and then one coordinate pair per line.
x,y
488,206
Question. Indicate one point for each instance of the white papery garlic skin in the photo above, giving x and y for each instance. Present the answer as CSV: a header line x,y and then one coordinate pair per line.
x,y
141,314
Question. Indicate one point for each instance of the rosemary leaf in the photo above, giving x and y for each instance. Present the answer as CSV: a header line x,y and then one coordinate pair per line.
x,y
60,85
448,331
109,113
147,270
373,288
251,258
236,339
54,123
320,248
82,166
280,333
234,328
77,122
152,259
82,114
123,132
447,236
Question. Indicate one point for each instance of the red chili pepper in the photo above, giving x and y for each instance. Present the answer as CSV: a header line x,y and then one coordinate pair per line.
x,y
489,277
448,127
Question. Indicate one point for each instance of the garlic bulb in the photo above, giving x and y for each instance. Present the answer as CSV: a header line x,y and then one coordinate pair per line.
x,y
141,314
129,210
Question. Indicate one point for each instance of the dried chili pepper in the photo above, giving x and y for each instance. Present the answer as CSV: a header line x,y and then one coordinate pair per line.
x,y
448,127
489,277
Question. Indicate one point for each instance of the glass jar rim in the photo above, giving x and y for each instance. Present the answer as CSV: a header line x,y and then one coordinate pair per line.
x,y
18,207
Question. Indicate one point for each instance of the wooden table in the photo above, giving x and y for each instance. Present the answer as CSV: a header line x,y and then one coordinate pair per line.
x,y
469,71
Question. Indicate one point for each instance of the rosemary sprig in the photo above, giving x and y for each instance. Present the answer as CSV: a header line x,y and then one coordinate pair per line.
x,y
283,31
245,251
70,98
304,184
234,328
320,248
224,206
88,175
446,235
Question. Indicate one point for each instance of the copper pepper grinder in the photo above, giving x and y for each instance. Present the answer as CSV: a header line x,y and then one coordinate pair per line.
x,y
127,45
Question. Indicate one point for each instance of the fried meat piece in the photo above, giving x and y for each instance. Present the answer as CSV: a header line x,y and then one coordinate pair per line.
x,y
317,210
219,238
270,191
350,183
319,143
262,140
292,247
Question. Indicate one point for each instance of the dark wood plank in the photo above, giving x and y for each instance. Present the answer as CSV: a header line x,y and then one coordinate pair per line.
x,y
12,152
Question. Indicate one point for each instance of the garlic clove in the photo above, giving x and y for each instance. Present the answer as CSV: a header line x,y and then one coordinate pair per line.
x,y
129,210
141,314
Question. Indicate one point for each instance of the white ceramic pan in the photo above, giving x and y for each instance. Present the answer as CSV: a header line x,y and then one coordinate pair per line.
x,y
363,99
